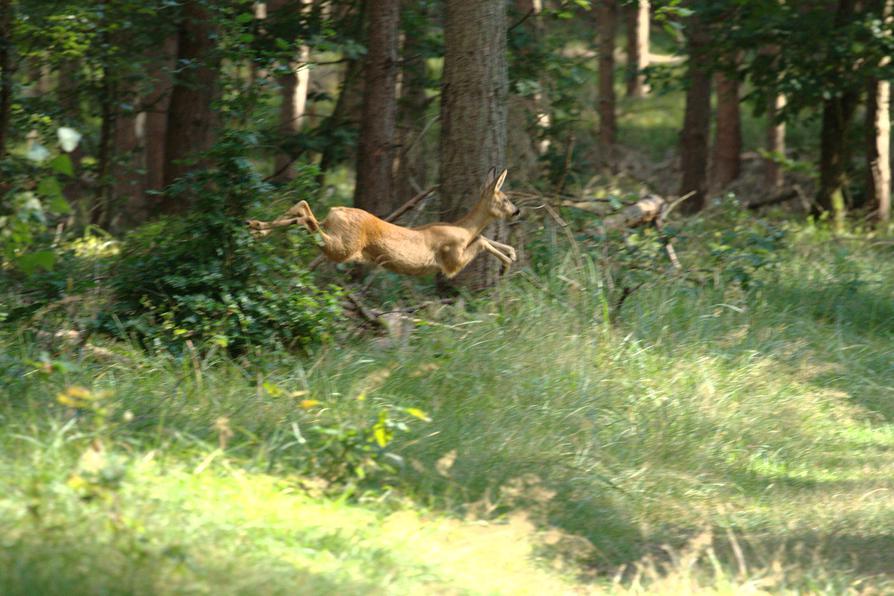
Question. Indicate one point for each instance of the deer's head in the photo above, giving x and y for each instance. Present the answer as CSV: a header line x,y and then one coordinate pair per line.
x,y
498,204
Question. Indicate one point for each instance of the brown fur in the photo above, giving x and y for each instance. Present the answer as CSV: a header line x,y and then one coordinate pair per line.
x,y
355,235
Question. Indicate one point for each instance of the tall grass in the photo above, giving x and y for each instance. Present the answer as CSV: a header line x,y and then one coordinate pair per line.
x,y
695,410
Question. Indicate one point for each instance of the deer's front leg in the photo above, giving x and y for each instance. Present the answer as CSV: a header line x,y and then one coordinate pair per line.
x,y
502,251
455,257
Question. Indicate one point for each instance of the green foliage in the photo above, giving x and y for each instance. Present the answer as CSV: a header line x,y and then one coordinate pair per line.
x,y
201,276
31,202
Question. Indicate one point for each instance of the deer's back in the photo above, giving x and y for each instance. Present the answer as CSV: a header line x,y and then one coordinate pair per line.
x,y
412,251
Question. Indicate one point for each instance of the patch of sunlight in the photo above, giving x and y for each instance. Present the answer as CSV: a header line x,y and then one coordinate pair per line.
x,y
406,550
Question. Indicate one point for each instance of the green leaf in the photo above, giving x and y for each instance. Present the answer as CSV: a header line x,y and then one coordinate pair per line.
x,y
61,164
246,38
43,259
245,17
50,188
60,205
282,44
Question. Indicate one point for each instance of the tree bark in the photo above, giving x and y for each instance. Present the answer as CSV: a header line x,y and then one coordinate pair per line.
x,y
6,50
157,105
637,16
528,116
473,113
411,168
775,141
838,112
109,100
607,26
696,121
293,87
377,143
834,156
348,106
191,117
726,158
878,135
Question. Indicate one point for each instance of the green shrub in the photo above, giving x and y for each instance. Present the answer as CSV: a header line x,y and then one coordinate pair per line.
x,y
201,276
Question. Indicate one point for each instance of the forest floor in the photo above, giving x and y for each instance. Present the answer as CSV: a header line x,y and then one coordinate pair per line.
x,y
706,437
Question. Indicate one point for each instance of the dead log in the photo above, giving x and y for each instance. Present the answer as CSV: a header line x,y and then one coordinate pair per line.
x,y
646,210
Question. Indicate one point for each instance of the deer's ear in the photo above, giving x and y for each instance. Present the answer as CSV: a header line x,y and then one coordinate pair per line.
x,y
489,178
500,180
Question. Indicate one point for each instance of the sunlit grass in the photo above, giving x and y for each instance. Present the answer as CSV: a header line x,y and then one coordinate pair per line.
x,y
758,418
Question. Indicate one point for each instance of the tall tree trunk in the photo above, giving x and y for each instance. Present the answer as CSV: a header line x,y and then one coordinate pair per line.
x,y
696,121
775,141
293,88
348,106
528,115
128,182
473,112
838,112
878,134
155,124
68,92
100,214
607,26
834,155
377,143
191,117
6,50
343,115
726,159
411,168
637,17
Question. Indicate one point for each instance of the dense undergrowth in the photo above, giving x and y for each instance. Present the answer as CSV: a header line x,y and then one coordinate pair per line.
x,y
726,427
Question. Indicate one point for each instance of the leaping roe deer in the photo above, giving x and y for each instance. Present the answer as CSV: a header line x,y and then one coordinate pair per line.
x,y
355,235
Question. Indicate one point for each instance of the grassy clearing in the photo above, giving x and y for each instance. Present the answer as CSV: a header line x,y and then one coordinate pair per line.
x,y
710,437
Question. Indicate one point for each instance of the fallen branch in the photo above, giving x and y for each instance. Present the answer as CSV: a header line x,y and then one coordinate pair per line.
x,y
644,211
775,200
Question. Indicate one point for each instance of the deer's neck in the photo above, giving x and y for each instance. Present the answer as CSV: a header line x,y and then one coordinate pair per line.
x,y
476,220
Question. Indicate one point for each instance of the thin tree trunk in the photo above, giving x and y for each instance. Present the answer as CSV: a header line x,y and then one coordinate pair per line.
x,y
473,113
527,116
342,115
878,135
6,50
127,179
293,95
726,159
377,143
411,167
837,115
637,16
696,121
157,103
775,142
100,213
607,26
68,91
191,118
350,97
